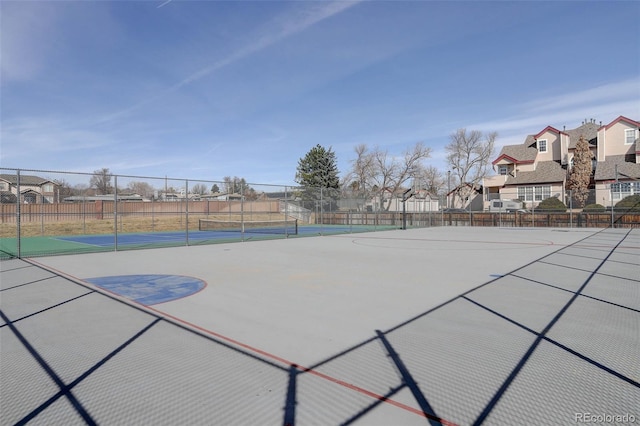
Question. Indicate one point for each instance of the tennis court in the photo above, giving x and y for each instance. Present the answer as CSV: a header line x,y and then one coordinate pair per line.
x,y
447,325
70,244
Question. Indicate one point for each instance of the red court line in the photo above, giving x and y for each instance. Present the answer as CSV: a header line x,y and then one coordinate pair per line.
x,y
256,350
253,349
304,369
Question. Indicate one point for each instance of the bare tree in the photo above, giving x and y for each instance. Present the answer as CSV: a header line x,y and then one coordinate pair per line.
x,y
431,180
101,181
236,185
80,189
375,171
580,176
469,155
141,188
358,179
64,190
199,188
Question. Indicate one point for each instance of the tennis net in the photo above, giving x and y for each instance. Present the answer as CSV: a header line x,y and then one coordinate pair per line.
x,y
286,227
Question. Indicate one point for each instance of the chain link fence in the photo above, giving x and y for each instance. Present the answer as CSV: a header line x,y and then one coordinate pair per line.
x,y
53,212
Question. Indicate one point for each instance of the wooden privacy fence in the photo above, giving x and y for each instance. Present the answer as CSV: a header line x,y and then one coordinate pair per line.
x,y
536,219
67,212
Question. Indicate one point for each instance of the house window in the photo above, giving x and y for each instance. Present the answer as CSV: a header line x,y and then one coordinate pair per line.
x,y
621,190
534,193
525,193
48,187
503,170
629,136
4,186
30,198
542,145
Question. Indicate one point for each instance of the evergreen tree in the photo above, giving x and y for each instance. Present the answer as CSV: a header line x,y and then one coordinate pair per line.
x,y
318,169
580,176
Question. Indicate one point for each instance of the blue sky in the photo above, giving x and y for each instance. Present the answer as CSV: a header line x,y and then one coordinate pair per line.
x,y
207,89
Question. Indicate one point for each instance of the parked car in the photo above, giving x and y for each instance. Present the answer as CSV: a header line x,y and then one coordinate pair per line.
x,y
455,211
505,206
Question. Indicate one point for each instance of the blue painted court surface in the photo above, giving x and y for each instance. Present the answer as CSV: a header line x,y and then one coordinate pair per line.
x,y
150,289
202,236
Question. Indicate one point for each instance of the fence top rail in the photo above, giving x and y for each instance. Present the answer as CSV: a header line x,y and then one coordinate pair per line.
x,y
16,170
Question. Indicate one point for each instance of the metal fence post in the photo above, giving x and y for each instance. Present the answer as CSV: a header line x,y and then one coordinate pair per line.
x,y
570,208
286,209
153,212
611,197
242,212
186,212
321,212
115,214
84,214
41,214
18,247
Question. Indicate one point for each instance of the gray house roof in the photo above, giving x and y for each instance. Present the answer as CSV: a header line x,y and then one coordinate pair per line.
x,y
546,172
24,179
606,170
519,152
530,141
588,130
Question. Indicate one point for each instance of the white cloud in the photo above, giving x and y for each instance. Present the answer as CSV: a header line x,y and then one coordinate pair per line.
x,y
27,137
608,93
603,104
280,29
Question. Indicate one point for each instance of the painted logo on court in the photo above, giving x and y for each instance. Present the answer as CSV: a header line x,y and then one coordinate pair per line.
x,y
150,289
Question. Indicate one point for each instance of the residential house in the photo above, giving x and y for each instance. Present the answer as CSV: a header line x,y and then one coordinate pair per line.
x,y
539,168
465,196
420,201
33,189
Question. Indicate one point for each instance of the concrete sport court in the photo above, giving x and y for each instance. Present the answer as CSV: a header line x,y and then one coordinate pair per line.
x,y
447,325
